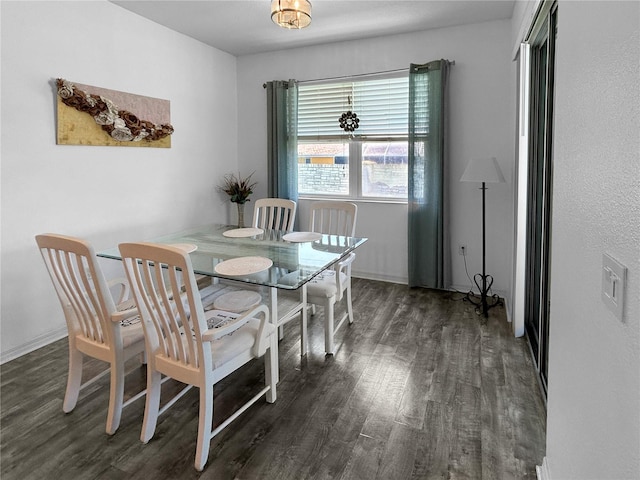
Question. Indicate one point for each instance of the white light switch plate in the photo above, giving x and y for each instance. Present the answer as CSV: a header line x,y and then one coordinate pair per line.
x,y
614,278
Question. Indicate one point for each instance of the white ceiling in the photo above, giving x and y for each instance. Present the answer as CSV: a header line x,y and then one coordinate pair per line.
x,y
243,27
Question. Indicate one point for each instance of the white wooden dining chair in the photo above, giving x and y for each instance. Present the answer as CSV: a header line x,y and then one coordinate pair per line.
x,y
274,214
330,286
98,326
271,214
192,346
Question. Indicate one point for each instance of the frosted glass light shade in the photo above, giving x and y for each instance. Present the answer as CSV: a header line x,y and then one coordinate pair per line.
x,y
483,170
291,13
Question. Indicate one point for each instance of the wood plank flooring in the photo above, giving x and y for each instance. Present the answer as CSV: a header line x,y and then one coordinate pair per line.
x,y
419,388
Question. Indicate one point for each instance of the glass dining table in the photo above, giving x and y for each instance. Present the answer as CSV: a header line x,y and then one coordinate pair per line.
x,y
276,259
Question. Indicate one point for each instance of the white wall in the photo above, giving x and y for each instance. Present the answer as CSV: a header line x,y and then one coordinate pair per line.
x,y
104,194
482,111
593,421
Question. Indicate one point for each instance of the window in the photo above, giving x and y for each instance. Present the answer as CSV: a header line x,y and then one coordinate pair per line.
x,y
370,163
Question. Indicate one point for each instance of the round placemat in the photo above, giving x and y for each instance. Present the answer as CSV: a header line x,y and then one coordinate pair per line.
x,y
187,247
301,237
243,266
243,232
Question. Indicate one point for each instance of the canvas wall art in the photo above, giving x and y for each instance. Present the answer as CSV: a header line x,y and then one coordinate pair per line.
x,y
89,115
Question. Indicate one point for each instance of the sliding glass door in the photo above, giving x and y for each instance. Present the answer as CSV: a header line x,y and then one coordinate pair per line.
x,y
540,173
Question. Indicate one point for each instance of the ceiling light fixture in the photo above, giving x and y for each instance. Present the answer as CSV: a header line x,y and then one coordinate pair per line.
x,y
291,13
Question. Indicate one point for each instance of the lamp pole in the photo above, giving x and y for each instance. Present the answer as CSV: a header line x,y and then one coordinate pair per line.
x,y
483,294
484,282
483,170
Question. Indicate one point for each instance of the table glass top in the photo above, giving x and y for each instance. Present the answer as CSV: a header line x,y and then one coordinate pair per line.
x,y
293,263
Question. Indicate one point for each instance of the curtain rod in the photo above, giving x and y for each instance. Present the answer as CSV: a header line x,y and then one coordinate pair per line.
x,y
343,77
452,62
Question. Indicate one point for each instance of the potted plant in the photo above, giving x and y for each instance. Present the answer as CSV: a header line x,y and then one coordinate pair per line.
x,y
238,189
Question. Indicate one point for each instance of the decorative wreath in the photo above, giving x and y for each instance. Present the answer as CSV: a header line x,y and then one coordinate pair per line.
x,y
122,125
349,121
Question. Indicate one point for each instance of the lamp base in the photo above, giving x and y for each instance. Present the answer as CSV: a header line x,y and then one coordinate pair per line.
x,y
486,302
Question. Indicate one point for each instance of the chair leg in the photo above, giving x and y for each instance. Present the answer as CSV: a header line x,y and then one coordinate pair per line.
x,y
349,304
116,394
304,336
271,369
74,379
205,417
152,405
329,325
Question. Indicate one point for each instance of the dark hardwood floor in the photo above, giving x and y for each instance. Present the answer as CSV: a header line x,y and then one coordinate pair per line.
x,y
420,388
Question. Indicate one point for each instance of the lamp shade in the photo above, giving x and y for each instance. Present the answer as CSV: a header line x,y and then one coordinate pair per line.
x,y
291,13
483,170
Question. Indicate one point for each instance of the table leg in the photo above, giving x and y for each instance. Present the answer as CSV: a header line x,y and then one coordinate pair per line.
x,y
303,326
273,307
300,308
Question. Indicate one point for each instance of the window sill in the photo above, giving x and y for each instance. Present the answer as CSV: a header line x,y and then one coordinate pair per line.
x,y
387,201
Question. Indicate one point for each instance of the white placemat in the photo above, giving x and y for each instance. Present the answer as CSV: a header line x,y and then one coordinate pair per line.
x,y
187,247
242,232
243,266
301,237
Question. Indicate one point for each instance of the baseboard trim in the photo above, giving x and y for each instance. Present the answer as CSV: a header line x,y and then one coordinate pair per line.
x,y
405,281
36,343
542,471
381,278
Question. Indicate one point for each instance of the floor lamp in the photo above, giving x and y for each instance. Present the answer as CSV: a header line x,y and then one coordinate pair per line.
x,y
483,170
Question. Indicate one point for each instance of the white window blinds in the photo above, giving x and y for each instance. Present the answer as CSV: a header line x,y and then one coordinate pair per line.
x,y
381,106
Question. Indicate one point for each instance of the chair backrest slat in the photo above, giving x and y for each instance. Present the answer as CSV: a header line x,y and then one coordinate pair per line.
x,y
274,214
80,286
173,319
61,267
83,295
333,218
165,328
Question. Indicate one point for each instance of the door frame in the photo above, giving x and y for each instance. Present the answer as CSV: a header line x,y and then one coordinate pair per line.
x,y
533,270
